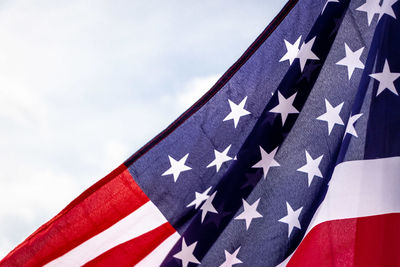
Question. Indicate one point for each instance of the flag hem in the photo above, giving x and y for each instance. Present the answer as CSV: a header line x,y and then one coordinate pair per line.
x,y
218,85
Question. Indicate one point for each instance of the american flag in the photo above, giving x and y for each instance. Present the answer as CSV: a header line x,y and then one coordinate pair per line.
x,y
292,158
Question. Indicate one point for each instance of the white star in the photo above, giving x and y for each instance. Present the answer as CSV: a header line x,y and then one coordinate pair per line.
x,y
387,8
305,53
267,161
285,106
292,218
311,167
331,116
386,79
208,207
371,7
231,259
199,198
292,51
327,2
220,157
249,212
350,125
351,60
186,253
177,167
237,111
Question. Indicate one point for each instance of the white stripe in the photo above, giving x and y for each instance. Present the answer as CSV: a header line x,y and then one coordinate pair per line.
x,y
142,220
156,257
359,189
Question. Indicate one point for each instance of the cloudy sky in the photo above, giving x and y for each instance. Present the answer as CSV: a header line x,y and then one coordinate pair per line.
x,y
84,84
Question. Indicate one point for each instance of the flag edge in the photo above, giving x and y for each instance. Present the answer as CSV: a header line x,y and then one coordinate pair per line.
x,y
218,85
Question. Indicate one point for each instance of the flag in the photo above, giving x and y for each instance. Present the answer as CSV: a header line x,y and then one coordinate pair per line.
x,y
291,158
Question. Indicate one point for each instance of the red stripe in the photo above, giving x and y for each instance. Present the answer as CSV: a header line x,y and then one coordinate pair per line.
x,y
365,241
103,204
133,251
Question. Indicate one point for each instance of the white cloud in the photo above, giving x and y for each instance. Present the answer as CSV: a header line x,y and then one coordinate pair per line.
x,y
5,245
115,152
194,89
20,105
29,197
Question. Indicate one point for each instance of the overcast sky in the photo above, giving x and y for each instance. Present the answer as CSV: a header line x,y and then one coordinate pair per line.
x,y
84,84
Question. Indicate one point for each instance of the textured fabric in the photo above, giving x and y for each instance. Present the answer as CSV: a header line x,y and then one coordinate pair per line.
x,y
291,158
